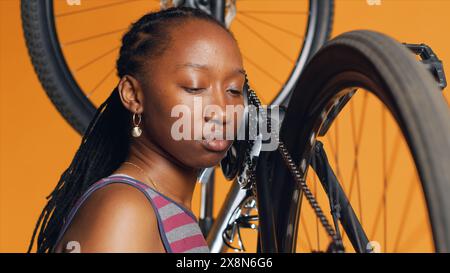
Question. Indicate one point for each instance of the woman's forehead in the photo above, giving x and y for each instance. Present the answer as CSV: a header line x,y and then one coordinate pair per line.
x,y
197,66
204,46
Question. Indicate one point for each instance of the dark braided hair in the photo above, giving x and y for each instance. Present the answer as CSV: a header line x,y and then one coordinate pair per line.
x,y
105,144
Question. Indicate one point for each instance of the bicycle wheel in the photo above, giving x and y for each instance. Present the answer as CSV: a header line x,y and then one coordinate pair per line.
x,y
73,48
386,129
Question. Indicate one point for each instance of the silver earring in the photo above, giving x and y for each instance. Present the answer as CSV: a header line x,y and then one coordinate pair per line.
x,y
136,131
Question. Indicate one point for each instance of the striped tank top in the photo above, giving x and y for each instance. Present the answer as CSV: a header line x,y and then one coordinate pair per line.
x,y
178,227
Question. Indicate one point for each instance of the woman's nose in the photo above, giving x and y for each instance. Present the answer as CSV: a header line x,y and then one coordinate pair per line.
x,y
217,108
217,116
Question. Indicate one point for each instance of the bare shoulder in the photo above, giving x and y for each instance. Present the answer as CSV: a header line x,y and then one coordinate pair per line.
x,y
115,218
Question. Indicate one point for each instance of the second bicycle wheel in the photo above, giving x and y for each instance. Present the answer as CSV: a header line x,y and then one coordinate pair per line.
x,y
74,47
385,127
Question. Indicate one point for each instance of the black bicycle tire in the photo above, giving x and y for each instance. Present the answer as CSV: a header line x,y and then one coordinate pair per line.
x,y
421,113
55,76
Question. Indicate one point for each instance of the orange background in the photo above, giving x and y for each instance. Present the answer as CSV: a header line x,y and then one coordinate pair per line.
x,y
37,144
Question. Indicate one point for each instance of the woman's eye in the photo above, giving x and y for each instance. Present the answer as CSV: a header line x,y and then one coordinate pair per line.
x,y
192,90
234,91
196,90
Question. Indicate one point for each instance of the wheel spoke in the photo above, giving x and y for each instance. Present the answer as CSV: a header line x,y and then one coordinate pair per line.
x,y
97,58
308,239
93,37
336,154
100,82
274,47
392,161
383,147
267,73
330,142
416,234
275,12
96,8
357,142
405,212
271,25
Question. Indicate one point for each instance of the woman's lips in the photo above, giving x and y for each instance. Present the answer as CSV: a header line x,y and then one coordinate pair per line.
x,y
216,145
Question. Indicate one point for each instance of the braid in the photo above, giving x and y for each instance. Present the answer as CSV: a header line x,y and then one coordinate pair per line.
x,y
151,34
105,144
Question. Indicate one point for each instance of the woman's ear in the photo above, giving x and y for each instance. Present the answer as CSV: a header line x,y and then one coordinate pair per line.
x,y
131,93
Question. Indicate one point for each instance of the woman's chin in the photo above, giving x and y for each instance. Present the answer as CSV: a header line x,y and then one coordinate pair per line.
x,y
206,154
216,146
210,159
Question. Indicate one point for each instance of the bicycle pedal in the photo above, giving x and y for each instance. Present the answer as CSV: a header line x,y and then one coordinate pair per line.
x,y
431,62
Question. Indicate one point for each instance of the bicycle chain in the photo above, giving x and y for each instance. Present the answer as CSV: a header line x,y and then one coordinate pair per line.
x,y
337,244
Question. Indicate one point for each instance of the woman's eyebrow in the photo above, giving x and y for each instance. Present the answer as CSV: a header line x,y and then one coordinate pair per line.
x,y
206,67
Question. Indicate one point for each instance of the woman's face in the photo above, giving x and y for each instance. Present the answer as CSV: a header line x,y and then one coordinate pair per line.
x,y
201,70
